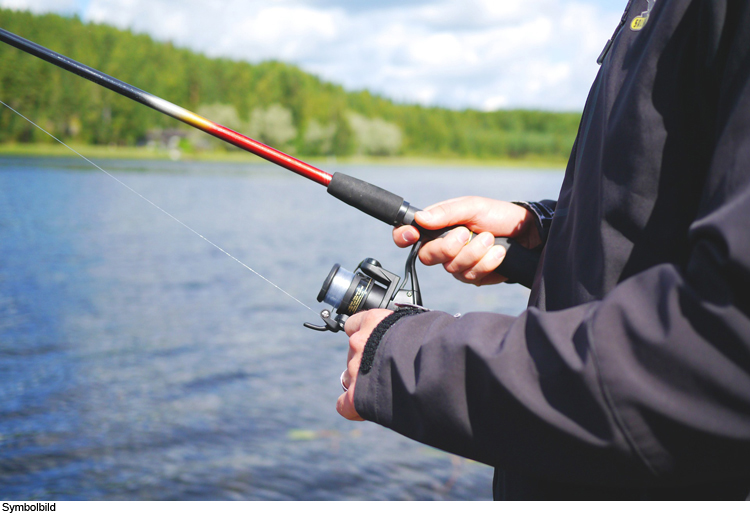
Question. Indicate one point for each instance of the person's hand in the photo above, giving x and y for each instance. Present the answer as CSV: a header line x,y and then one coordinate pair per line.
x,y
358,327
473,262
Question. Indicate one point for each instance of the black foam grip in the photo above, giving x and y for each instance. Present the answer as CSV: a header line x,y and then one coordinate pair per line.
x,y
519,264
370,199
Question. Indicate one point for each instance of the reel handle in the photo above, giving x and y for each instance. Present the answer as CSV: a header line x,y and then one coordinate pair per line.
x,y
519,264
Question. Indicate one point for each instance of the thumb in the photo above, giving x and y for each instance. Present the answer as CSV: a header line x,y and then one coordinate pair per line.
x,y
454,212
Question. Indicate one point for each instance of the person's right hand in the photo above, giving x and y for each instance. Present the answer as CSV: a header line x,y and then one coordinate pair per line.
x,y
473,262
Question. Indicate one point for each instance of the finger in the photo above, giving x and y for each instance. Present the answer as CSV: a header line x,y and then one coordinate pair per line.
x,y
354,323
405,236
471,254
483,272
346,380
345,405
350,373
454,212
359,327
357,342
349,376
444,249
365,321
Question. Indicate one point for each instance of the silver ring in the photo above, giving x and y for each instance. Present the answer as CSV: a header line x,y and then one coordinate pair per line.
x,y
341,379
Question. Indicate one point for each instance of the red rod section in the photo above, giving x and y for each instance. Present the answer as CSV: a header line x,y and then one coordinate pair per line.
x,y
270,154
170,109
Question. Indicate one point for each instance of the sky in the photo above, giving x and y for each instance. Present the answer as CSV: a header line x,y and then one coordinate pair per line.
x,y
481,54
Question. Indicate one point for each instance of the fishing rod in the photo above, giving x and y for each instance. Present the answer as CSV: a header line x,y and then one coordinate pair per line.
x,y
519,264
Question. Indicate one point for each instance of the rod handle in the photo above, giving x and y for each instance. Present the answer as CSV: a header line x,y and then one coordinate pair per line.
x,y
519,264
371,199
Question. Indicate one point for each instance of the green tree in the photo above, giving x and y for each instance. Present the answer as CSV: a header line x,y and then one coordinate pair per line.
x,y
281,104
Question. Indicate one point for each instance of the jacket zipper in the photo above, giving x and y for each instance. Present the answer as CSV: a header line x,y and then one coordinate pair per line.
x,y
619,27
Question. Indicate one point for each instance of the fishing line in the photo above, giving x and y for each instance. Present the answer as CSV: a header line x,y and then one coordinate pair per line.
x,y
222,250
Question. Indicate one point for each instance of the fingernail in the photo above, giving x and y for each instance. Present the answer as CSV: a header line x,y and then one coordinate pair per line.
x,y
409,237
488,239
463,235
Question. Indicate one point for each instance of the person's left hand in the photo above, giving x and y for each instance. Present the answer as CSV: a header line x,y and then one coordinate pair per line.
x,y
358,327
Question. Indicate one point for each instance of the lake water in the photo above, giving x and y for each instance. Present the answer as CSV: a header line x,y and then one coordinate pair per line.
x,y
139,362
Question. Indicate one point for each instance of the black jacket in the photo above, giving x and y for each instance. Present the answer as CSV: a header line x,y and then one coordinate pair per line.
x,y
629,375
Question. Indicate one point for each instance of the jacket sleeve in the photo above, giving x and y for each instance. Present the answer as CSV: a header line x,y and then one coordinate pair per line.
x,y
651,384
543,213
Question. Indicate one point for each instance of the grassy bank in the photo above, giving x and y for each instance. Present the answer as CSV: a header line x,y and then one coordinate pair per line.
x,y
145,153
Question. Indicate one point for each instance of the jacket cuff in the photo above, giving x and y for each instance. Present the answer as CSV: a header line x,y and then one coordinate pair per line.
x,y
543,213
371,347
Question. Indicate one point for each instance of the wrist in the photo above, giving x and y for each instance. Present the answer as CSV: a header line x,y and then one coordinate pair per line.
x,y
537,223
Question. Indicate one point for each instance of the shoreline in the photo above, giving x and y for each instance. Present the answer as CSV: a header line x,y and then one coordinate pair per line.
x,y
238,156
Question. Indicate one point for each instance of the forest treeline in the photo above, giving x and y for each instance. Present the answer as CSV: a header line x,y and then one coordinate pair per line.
x,y
273,102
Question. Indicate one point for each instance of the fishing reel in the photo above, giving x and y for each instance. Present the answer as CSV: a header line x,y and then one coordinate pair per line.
x,y
370,286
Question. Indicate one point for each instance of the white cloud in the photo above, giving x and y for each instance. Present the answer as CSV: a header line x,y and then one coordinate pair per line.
x,y
459,53
42,6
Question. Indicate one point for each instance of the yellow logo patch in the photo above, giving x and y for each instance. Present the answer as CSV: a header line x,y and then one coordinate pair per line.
x,y
638,23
